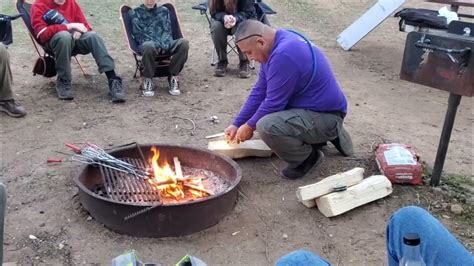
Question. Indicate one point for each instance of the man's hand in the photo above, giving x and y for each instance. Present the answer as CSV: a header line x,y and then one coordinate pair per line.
x,y
77,26
76,35
229,133
245,132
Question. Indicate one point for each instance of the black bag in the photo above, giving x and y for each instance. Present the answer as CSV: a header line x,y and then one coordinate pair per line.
x,y
45,66
6,36
422,18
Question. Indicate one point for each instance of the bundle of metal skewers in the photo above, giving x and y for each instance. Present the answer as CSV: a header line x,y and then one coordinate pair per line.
x,y
94,155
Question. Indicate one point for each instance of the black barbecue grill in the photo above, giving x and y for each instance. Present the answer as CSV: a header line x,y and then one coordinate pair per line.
x,y
445,61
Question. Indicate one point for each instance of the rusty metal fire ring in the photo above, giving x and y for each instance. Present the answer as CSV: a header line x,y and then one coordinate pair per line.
x,y
168,220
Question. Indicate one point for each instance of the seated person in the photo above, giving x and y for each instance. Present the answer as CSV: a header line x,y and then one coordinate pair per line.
x,y
226,16
437,247
67,34
7,103
152,29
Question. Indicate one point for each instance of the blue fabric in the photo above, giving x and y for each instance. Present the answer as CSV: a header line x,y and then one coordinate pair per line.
x,y
301,258
438,246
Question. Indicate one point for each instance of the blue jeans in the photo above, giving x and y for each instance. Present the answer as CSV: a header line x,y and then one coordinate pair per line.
x,y
438,246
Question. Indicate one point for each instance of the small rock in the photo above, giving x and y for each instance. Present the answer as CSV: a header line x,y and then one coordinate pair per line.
x,y
456,209
61,246
285,236
42,225
445,216
32,237
330,235
234,233
111,144
37,258
84,124
89,218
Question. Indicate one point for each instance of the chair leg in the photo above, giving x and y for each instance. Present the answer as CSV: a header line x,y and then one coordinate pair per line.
x,y
3,201
80,66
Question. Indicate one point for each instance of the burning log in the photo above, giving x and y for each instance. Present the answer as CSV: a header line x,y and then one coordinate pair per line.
x,y
193,187
177,168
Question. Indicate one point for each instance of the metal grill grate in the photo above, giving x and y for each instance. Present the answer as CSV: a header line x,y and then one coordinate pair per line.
x,y
128,188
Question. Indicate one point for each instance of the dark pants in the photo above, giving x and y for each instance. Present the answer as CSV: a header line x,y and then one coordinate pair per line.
x,y
219,35
179,56
5,75
64,46
290,133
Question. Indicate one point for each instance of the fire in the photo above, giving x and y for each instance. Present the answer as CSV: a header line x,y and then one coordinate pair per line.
x,y
170,185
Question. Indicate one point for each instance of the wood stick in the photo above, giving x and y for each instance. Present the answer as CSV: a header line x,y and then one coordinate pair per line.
x,y
370,189
177,168
198,188
325,186
252,147
215,135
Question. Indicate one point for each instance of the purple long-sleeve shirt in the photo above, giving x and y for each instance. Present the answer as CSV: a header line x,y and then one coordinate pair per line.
x,y
282,80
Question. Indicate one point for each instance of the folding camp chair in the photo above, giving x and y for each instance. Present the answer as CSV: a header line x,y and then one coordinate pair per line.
x,y
24,9
163,61
3,201
262,11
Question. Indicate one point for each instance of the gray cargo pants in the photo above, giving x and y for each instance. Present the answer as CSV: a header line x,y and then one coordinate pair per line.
x,y
290,133
5,75
179,57
64,46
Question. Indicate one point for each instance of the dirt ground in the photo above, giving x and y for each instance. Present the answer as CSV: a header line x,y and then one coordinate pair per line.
x,y
42,199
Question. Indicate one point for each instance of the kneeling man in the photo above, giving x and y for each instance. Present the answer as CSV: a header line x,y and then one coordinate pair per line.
x,y
296,105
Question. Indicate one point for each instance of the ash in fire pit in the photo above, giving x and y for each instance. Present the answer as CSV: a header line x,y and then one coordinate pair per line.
x,y
179,200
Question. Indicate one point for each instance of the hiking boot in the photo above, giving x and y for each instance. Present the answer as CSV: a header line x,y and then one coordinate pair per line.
x,y
173,86
244,69
221,69
64,90
343,143
116,90
12,108
148,90
315,158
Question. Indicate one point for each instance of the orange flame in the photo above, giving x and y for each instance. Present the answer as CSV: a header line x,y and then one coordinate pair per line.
x,y
165,180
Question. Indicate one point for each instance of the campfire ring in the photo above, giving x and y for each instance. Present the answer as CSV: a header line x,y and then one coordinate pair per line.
x,y
168,220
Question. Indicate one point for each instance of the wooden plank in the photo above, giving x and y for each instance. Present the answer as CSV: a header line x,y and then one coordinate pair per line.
x,y
215,135
325,186
253,147
367,22
309,203
177,168
370,189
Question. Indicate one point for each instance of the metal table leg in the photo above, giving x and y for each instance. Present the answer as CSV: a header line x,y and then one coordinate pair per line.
x,y
453,103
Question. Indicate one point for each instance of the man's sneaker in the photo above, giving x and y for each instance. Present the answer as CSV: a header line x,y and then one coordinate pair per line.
x,y
315,158
12,108
221,69
64,90
116,90
343,143
244,69
173,86
148,90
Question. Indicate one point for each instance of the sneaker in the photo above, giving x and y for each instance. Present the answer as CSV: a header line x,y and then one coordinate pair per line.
x,y
221,69
116,90
315,158
244,69
12,108
173,86
148,90
343,143
64,90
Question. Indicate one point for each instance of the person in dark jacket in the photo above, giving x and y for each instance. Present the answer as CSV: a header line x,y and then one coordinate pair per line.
x,y
226,15
152,30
